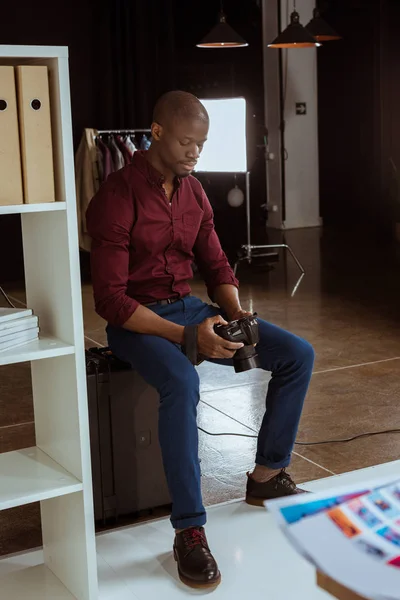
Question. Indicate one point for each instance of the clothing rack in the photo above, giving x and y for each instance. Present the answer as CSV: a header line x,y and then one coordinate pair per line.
x,y
104,131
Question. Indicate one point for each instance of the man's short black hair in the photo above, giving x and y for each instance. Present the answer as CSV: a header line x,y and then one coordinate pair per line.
x,y
178,104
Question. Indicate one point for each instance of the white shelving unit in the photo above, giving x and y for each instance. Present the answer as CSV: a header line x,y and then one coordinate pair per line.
x,y
57,471
30,208
45,347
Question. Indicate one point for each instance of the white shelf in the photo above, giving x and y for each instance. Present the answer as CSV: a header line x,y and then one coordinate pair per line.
x,y
35,583
23,209
7,51
45,347
30,475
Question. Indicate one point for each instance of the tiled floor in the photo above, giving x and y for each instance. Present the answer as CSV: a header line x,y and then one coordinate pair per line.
x,y
346,306
256,561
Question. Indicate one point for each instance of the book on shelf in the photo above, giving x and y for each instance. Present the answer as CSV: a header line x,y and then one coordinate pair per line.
x,y
16,325
19,339
11,336
10,314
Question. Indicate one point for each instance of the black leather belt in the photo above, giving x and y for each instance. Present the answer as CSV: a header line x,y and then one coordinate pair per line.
x,y
165,302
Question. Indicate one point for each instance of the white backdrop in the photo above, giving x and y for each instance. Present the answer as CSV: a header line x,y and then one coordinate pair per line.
x,y
226,148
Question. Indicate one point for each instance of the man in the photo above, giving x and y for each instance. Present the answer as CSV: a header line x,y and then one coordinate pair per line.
x,y
147,223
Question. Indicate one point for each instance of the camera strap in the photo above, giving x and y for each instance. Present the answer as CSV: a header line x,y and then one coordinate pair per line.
x,y
190,348
190,343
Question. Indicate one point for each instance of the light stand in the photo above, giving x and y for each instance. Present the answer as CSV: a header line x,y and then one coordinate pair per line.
x,y
254,251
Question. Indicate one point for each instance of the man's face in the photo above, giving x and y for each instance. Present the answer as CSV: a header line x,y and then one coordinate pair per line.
x,y
180,144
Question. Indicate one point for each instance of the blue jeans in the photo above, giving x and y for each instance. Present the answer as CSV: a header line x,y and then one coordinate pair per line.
x,y
162,364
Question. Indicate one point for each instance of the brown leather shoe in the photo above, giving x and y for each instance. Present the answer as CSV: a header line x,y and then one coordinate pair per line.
x,y
277,487
197,567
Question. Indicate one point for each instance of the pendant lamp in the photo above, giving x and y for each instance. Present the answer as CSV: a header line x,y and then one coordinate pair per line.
x,y
320,29
295,35
222,35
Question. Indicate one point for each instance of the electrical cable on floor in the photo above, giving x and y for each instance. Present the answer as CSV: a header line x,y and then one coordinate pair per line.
x,y
7,299
339,441
244,435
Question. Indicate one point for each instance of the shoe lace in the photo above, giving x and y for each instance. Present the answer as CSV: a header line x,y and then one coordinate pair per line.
x,y
285,479
194,537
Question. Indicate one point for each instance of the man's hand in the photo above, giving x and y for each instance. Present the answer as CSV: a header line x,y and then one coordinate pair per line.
x,y
240,314
210,344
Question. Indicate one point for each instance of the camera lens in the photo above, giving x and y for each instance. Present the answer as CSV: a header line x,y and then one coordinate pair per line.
x,y
246,359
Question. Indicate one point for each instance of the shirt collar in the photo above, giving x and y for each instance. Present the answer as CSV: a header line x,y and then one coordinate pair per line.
x,y
140,162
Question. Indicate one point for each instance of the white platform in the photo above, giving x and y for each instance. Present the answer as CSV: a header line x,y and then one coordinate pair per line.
x,y
40,582
136,563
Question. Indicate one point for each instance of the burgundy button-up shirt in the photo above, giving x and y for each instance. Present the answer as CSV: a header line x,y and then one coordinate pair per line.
x,y
143,246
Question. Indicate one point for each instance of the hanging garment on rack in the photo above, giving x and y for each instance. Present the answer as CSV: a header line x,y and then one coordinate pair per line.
x,y
100,165
118,158
124,149
96,158
130,144
105,158
87,181
145,143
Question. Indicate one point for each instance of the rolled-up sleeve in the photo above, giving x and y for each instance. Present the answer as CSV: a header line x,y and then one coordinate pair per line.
x,y
210,258
109,221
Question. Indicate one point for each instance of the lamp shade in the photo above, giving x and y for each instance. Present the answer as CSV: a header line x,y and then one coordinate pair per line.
x,y
222,36
294,36
320,29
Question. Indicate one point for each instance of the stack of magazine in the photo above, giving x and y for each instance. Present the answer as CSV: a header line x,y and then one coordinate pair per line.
x,y
17,327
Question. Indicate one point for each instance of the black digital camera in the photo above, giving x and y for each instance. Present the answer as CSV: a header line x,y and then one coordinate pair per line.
x,y
243,331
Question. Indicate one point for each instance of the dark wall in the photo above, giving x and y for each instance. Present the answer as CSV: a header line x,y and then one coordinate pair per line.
x,y
120,52
349,113
124,54
59,24
359,116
